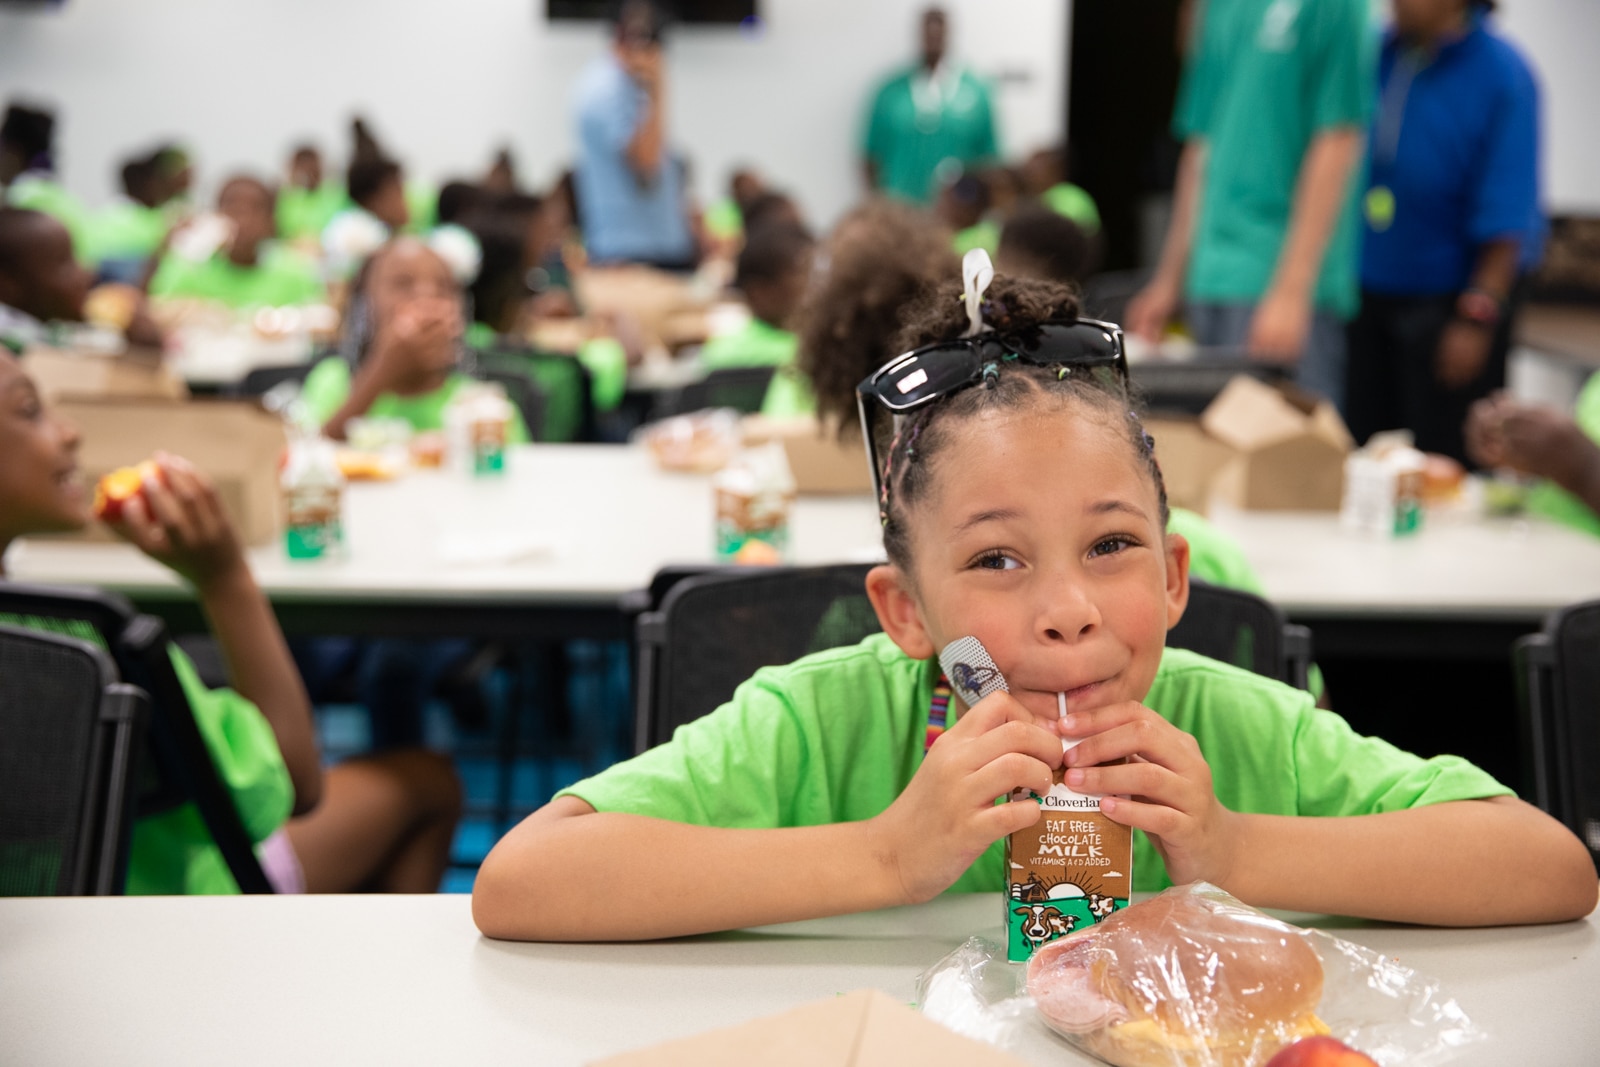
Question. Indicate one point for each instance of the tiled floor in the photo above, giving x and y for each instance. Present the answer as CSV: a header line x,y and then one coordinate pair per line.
x,y
550,755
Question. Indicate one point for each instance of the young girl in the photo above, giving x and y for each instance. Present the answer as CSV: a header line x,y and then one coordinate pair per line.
x,y
251,269
403,336
378,823
1023,506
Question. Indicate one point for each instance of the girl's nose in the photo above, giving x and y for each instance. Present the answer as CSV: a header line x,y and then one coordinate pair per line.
x,y
1067,612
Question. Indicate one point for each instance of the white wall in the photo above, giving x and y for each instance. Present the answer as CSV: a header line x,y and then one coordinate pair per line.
x,y
1560,37
444,81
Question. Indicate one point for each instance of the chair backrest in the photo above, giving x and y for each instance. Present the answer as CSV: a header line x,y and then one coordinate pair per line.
x,y
1558,690
69,736
702,631
1189,386
177,767
262,380
742,388
523,394
713,630
565,382
1243,629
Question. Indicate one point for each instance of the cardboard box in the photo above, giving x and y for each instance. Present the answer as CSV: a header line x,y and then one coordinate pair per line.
x,y
60,373
1190,459
822,464
235,443
861,1029
1286,448
650,298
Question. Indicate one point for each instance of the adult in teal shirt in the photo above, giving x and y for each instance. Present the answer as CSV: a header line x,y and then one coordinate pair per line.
x,y
928,123
1262,245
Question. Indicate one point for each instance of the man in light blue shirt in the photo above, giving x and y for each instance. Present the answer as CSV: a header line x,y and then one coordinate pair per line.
x,y
630,188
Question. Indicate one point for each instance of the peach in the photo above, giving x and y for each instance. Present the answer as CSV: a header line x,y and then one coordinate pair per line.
x,y
1320,1052
114,491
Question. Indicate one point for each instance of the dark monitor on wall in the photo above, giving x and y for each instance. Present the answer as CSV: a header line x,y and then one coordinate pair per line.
x,y
703,12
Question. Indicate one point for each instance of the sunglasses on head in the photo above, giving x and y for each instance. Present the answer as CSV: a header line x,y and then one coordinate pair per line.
x,y
924,375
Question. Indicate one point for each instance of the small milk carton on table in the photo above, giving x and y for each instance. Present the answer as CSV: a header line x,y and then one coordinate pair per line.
x,y
313,496
1383,487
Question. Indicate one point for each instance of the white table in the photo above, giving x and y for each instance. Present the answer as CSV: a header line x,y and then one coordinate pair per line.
x,y
408,980
568,530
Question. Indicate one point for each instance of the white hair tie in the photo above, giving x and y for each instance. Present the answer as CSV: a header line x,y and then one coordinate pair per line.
x,y
976,274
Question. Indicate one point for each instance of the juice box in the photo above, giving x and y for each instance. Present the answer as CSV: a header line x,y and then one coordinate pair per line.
x,y
1069,870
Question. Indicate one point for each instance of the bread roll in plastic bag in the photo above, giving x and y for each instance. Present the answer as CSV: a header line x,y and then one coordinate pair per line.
x,y
1193,978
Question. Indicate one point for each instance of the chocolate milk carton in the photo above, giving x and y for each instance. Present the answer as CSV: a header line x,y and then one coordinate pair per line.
x,y
1073,867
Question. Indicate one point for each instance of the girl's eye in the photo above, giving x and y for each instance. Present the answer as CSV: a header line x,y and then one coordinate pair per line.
x,y
1111,545
996,560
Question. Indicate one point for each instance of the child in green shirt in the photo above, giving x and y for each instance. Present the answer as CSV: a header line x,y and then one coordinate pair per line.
x,y
1023,506
771,273
381,822
251,270
306,202
403,335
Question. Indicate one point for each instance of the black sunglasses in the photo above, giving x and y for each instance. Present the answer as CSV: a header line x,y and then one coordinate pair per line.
x,y
918,378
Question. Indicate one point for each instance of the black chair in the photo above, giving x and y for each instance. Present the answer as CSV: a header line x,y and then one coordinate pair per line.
x,y
565,382
177,767
523,394
1243,629
700,631
742,388
69,743
262,380
1558,691
714,628
1189,386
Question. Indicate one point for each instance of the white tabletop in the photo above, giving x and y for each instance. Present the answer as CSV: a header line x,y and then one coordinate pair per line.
x,y
578,524
408,980
582,524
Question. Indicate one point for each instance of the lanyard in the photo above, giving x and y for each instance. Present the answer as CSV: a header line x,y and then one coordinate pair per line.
x,y
938,709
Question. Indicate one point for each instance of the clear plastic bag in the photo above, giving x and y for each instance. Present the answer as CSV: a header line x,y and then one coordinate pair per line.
x,y
1194,978
701,442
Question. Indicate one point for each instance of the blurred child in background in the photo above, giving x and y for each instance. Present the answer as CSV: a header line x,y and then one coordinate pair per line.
x,y
250,269
1037,242
307,201
963,206
44,287
28,169
771,274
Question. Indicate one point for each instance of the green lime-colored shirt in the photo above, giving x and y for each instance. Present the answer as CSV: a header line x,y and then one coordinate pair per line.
x,y
1263,78
1213,556
836,736
328,386
127,230
1554,502
1074,203
41,192
172,852
984,235
280,278
917,135
789,394
723,220
755,344
305,213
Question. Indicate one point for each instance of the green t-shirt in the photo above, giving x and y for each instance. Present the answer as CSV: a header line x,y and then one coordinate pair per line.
x,y
41,192
1262,79
984,235
173,853
1554,502
1213,556
1074,203
755,344
917,135
723,220
305,213
836,736
328,386
280,278
789,394
126,230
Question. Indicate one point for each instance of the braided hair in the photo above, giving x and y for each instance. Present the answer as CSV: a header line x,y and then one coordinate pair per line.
x,y
1010,304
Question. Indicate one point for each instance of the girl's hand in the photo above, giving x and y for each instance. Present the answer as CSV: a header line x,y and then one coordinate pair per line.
x,y
177,520
418,343
1166,787
947,815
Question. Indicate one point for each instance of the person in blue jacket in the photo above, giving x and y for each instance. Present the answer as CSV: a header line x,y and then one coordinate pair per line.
x,y
1452,222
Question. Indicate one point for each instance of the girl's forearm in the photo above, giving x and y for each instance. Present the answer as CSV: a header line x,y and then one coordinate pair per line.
x,y
1451,864
262,670
573,877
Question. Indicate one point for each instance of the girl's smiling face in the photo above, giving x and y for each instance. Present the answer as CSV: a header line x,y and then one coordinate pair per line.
x,y
41,490
1041,535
